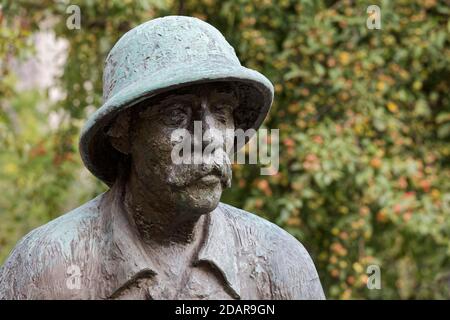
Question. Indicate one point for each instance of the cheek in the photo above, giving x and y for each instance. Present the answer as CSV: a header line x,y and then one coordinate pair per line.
x,y
227,132
152,146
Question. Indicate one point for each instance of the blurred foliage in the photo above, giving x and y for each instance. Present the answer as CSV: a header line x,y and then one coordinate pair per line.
x,y
364,121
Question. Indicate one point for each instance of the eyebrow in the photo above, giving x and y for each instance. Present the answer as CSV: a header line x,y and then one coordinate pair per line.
x,y
151,109
217,95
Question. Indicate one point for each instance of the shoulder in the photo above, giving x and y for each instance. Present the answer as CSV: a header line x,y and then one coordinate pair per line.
x,y
38,266
292,272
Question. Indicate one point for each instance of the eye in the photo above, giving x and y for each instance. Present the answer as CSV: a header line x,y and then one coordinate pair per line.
x,y
223,112
175,114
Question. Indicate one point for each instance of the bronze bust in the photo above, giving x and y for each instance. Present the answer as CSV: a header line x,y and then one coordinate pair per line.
x,y
160,231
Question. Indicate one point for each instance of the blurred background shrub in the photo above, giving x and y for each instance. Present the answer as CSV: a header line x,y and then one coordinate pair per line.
x,y
364,121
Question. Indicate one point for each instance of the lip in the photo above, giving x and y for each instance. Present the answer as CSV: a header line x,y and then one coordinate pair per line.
x,y
209,179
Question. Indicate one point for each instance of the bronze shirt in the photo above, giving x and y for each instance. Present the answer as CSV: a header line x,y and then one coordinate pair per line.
x,y
242,256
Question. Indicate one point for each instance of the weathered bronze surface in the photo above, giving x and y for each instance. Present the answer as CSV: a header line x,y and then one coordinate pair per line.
x,y
160,231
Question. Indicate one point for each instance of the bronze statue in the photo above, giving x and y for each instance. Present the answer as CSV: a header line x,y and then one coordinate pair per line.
x,y
160,231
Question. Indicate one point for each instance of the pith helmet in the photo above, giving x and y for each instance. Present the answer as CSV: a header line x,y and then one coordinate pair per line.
x,y
161,55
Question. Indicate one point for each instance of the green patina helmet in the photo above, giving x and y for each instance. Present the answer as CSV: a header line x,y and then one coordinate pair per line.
x,y
161,55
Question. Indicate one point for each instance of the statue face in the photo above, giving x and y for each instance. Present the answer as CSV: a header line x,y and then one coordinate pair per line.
x,y
188,188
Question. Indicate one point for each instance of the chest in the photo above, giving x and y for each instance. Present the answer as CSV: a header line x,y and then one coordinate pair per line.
x,y
194,283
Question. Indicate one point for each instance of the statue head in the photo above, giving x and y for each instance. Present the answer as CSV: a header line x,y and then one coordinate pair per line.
x,y
160,77
146,137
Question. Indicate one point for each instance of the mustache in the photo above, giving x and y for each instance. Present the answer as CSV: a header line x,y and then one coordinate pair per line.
x,y
182,175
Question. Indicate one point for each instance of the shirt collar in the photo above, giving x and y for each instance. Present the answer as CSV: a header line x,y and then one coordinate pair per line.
x,y
128,260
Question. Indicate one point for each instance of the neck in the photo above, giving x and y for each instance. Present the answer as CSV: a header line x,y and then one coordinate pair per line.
x,y
157,222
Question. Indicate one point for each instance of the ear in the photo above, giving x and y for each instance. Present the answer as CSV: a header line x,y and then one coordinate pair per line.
x,y
118,133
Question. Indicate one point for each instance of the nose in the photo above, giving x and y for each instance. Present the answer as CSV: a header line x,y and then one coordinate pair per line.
x,y
203,116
